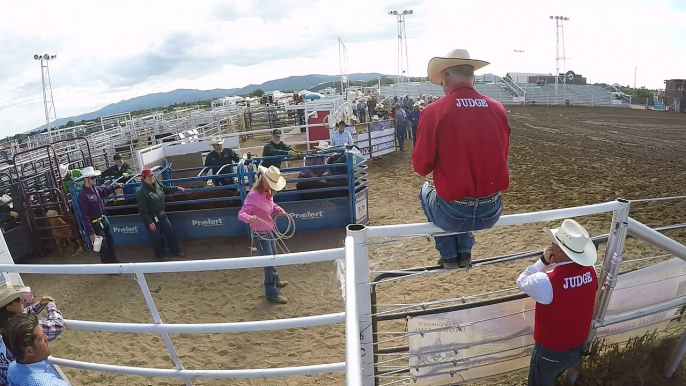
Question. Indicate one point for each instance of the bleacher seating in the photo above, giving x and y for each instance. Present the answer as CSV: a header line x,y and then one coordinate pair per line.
x,y
577,95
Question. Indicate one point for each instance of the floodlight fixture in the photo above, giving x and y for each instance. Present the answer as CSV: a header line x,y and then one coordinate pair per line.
x,y
551,18
36,57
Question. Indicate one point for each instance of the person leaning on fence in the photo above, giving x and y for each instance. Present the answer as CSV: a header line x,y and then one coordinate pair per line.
x,y
341,137
257,212
25,337
220,156
95,223
276,147
69,176
565,299
119,170
464,140
150,200
12,303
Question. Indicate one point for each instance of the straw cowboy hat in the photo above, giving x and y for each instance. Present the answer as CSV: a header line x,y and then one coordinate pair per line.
x,y
217,141
323,145
575,241
9,292
64,170
6,199
89,171
274,177
456,57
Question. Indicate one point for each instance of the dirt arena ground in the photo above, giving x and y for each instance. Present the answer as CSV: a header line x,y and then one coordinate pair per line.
x,y
559,157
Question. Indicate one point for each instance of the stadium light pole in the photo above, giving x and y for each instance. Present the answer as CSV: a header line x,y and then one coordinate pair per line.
x,y
48,102
635,68
403,59
558,26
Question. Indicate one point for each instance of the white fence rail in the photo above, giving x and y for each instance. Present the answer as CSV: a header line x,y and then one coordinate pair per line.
x,y
359,365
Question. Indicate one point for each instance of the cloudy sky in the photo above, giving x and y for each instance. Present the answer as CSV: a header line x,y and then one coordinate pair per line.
x,y
115,50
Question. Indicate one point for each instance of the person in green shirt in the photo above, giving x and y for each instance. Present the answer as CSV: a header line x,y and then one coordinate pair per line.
x,y
150,200
276,147
70,177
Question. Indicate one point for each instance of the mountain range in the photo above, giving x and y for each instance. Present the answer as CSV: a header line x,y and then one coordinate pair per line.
x,y
313,82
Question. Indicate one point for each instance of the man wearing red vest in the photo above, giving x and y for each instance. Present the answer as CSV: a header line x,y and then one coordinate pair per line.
x,y
464,140
565,299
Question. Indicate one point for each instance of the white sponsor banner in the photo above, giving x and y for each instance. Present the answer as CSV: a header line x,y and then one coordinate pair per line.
x,y
382,142
485,341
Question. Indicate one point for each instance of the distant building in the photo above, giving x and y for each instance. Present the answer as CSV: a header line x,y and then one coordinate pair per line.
x,y
526,77
674,94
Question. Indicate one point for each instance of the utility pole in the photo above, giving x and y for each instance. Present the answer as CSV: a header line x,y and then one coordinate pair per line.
x,y
403,60
558,26
635,68
48,101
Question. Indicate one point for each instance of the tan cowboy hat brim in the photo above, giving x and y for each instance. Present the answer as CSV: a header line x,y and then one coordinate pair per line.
x,y
586,258
19,291
439,64
278,184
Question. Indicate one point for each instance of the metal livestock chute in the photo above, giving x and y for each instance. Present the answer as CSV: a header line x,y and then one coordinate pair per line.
x,y
16,231
314,199
40,187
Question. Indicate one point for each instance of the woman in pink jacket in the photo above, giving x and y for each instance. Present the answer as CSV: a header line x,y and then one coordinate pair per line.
x,y
257,212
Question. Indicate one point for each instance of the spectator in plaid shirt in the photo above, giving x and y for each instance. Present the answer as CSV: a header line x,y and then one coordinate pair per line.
x,y
11,304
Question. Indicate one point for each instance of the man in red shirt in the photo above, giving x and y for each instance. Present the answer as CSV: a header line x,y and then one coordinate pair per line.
x,y
565,299
464,139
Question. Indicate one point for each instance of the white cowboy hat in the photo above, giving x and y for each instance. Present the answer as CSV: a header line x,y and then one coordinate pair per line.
x,y
6,199
89,171
375,118
455,58
575,242
323,145
9,292
217,141
274,177
64,170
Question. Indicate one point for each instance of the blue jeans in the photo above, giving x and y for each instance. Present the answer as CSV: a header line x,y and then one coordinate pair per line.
x,y
266,246
457,217
400,133
163,233
547,365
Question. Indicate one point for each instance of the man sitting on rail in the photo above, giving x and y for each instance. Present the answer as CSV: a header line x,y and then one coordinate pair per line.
x,y
25,337
276,147
464,140
341,137
220,156
565,299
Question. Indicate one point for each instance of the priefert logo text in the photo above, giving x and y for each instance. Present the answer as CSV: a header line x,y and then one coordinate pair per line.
x,y
125,229
308,215
210,222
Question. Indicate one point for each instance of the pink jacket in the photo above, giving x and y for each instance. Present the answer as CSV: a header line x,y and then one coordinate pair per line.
x,y
258,204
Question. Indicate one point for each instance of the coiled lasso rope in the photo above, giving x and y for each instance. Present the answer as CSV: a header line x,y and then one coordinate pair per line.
x,y
275,234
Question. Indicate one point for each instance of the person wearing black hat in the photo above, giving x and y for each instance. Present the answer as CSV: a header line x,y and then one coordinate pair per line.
x,y
118,170
276,147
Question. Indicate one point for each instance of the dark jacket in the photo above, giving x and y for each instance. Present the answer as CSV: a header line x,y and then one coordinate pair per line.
x,y
226,157
273,149
115,171
151,200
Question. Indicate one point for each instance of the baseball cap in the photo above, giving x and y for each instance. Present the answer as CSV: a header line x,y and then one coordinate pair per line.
x,y
147,173
276,132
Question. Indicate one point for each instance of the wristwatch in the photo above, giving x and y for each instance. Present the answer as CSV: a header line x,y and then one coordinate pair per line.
x,y
544,262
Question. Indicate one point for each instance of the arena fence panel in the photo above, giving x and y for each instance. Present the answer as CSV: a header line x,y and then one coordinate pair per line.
x,y
362,341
